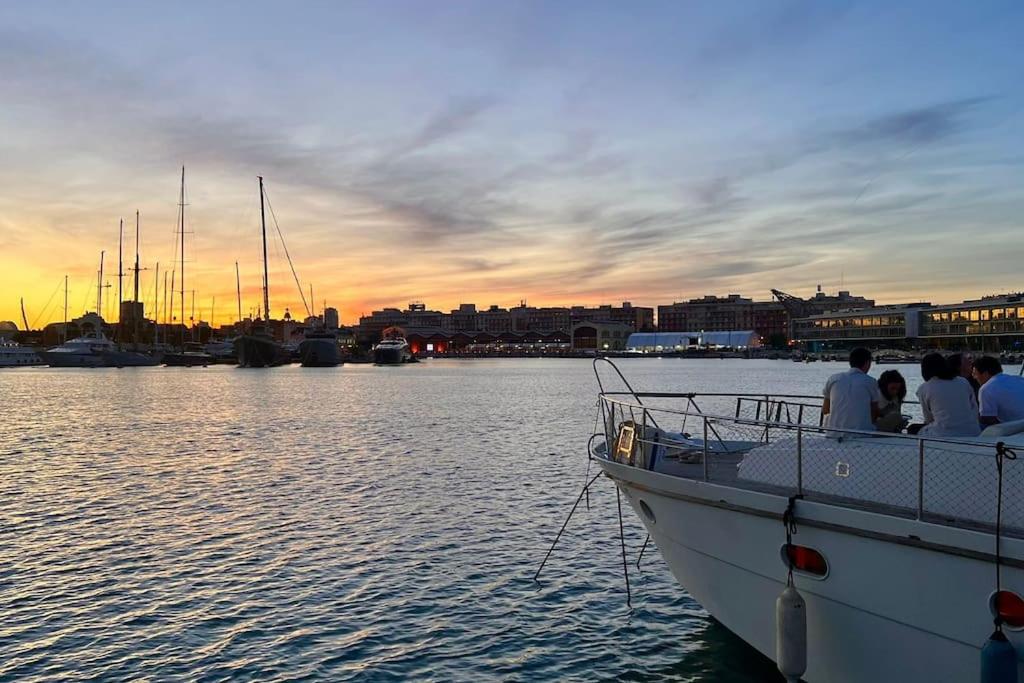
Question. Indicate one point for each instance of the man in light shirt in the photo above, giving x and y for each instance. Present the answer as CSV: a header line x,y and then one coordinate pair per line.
x,y
852,398
1001,397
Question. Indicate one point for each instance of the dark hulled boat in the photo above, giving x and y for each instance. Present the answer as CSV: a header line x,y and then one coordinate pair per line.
x,y
259,349
191,356
319,349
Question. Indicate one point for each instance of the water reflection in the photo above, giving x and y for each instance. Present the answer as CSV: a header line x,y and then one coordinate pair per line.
x,y
342,523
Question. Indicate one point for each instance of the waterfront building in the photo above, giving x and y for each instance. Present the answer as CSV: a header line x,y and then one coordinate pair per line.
x,y
600,336
668,342
89,323
637,318
894,326
769,319
416,315
434,341
991,323
549,319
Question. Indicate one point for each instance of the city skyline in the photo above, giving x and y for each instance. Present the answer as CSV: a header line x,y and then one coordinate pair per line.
x,y
574,154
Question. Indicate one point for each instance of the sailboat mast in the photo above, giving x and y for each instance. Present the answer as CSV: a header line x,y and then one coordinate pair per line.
x,y
64,333
164,307
120,275
135,310
99,287
135,284
192,318
182,275
24,318
266,283
156,305
238,289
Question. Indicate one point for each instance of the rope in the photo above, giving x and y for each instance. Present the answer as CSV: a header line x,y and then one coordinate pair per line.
x,y
1002,453
291,265
558,536
789,522
642,549
622,539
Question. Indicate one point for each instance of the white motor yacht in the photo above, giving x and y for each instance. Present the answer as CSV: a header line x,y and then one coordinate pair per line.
x,y
893,541
88,351
13,354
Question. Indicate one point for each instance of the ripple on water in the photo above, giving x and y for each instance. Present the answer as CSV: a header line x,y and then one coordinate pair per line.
x,y
358,524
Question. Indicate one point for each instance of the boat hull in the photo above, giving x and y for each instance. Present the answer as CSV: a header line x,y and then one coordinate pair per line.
x,y
72,360
391,356
129,359
891,608
319,353
20,360
260,352
188,360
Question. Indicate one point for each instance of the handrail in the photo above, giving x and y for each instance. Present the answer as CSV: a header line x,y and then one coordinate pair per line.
x,y
786,425
713,394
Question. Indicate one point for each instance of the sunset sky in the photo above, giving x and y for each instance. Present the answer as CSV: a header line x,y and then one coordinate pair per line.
x,y
560,152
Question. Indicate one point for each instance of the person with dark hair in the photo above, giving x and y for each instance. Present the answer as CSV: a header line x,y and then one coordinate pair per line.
x,y
852,398
894,391
947,400
1001,396
963,365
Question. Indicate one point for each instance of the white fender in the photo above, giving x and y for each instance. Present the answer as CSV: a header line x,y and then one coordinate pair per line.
x,y
791,634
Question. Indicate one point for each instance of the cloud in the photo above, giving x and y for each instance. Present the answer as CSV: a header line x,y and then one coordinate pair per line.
x,y
769,27
914,126
457,116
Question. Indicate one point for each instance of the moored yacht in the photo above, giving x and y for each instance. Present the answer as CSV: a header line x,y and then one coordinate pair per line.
x,y
88,351
319,348
191,355
393,349
259,349
13,354
893,541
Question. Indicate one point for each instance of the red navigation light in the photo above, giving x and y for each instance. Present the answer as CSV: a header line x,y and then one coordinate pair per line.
x,y
805,559
1010,608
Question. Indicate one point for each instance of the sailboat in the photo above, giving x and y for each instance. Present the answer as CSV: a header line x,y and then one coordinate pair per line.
x,y
118,357
86,351
258,348
191,353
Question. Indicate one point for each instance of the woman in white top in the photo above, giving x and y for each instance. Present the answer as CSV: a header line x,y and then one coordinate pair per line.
x,y
947,400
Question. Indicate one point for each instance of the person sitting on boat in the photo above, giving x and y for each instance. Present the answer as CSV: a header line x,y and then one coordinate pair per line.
x,y
894,390
852,398
1001,396
963,365
947,401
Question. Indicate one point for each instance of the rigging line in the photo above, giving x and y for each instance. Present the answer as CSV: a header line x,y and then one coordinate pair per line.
x,y
586,487
622,538
291,265
47,305
642,549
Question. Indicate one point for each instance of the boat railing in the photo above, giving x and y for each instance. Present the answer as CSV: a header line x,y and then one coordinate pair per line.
x,y
778,444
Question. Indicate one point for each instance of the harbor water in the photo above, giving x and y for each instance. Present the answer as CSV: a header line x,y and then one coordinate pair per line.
x,y
354,523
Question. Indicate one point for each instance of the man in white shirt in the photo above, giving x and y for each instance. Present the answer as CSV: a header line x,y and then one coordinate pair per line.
x,y
1001,397
852,398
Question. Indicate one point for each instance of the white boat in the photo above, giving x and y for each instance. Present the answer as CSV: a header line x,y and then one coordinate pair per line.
x,y
393,349
13,354
91,350
895,544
